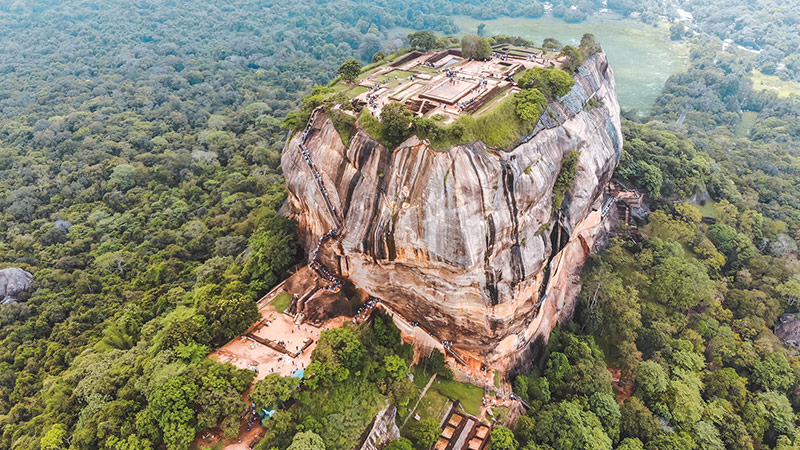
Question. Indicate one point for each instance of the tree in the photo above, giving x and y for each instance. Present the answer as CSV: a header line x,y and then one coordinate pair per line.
x,y
400,444
789,291
350,69
54,438
685,403
552,44
550,82
475,47
707,436
228,315
422,40
573,58
589,45
170,406
651,381
525,430
272,389
502,439
736,247
343,345
678,281
672,441
272,250
776,410
306,440
773,373
727,384
529,104
378,56
605,407
396,119
435,362
637,421
630,444
424,433
567,426
395,366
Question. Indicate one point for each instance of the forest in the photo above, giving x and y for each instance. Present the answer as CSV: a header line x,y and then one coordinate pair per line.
x,y
140,183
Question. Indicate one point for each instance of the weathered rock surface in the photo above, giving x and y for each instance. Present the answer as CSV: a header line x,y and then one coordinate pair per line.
x,y
788,330
12,282
462,240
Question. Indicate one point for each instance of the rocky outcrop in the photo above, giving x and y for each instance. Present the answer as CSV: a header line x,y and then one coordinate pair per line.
x,y
466,241
383,430
13,281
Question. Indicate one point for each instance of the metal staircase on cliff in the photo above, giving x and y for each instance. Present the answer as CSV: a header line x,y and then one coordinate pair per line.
x,y
315,263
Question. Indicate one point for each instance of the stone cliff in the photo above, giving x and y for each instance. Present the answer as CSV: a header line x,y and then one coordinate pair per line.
x,y
466,241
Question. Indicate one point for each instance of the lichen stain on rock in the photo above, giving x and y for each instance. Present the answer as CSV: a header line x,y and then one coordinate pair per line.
x,y
453,238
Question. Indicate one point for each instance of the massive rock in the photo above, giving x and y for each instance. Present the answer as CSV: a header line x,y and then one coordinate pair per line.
x,y
12,282
466,241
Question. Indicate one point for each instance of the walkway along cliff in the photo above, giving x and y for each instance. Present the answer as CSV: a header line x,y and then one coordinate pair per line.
x,y
464,241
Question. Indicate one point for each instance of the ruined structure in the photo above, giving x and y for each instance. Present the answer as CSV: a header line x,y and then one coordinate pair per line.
x,y
464,241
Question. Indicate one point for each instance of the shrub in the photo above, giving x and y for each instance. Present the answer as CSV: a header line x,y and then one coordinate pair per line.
x,y
529,104
551,82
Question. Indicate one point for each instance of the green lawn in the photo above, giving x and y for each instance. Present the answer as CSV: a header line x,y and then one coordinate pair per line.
x,y
469,395
499,414
358,90
709,209
491,104
772,83
747,122
498,128
421,377
434,405
281,301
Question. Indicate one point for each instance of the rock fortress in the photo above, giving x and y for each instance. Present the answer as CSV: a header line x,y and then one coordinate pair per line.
x,y
461,245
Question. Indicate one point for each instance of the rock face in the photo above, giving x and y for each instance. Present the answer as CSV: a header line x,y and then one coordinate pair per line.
x,y
384,429
466,241
12,282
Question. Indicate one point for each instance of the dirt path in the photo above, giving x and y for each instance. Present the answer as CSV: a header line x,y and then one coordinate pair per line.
x,y
424,391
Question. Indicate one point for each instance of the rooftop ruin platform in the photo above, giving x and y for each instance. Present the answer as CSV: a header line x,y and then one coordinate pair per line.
x,y
444,85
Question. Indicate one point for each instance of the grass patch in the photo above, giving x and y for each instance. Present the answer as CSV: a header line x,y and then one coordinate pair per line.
x,y
372,125
591,104
356,91
747,122
709,209
500,413
491,104
281,301
433,405
499,128
497,379
399,74
344,125
421,377
764,82
469,395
